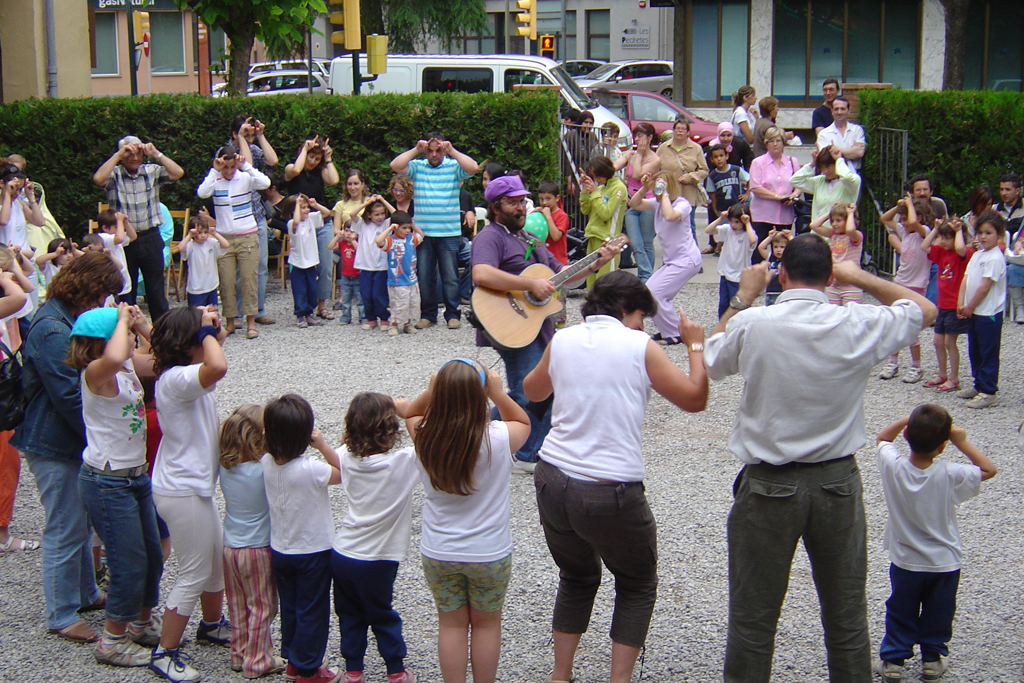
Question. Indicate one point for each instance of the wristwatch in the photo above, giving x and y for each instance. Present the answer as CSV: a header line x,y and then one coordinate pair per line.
x,y
697,347
737,303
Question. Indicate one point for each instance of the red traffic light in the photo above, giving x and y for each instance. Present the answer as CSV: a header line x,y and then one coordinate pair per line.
x,y
547,42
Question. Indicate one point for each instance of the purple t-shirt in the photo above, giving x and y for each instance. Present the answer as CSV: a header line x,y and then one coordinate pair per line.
x,y
495,246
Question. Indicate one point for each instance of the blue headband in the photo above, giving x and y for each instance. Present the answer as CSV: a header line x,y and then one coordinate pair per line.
x,y
473,364
96,322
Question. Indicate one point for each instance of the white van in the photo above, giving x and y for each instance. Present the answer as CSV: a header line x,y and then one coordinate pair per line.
x,y
471,74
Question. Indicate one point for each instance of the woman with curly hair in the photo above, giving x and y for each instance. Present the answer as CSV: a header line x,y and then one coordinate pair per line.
x,y
52,438
401,191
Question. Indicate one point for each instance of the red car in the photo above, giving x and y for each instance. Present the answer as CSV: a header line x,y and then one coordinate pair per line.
x,y
635,107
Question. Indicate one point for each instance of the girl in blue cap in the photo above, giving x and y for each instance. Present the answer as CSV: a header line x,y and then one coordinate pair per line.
x,y
113,482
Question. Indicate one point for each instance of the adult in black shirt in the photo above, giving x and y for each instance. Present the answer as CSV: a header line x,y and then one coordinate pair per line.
x,y
822,116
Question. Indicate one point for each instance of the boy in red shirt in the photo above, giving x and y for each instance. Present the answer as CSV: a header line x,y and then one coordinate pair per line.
x,y
558,221
348,281
945,246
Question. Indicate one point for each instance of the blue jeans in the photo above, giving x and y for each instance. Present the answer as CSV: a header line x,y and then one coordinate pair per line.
x,y
919,611
349,286
304,287
727,289
518,364
69,582
122,513
304,587
438,256
984,337
207,299
639,228
373,287
932,292
325,285
465,262
363,592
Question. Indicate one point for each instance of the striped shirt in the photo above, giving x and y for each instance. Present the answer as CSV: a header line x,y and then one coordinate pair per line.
x,y
437,196
232,199
138,196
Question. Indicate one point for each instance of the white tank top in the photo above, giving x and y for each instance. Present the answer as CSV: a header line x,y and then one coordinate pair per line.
x,y
115,428
599,374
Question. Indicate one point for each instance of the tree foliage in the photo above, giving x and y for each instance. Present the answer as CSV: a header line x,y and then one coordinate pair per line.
x,y
410,23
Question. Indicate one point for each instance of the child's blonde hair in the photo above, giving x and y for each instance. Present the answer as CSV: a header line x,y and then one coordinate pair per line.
x,y
241,436
839,210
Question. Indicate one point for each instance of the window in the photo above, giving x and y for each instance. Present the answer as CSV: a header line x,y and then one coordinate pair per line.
x,y
570,35
105,36
524,76
486,44
718,52
612,101
599,31
650,109
167,43
995,38
457,80
873,41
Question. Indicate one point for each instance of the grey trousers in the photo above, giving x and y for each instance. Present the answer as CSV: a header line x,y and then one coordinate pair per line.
x,y
774,508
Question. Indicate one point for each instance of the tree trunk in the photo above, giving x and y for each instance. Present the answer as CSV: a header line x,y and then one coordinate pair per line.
x,y
678,50
242,36
956,44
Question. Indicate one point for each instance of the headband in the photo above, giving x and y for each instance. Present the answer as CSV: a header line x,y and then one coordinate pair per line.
x,y
473,364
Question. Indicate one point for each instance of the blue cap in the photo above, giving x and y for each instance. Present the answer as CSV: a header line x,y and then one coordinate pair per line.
x,y
96,322
473,364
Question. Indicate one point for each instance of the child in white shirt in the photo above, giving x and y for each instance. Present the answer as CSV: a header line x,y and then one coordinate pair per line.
x,y
369,220
59,253
303,254
201,246
732,229
922,537
116,231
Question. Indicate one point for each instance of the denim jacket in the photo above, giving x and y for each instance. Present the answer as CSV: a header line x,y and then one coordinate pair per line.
x,y
53,423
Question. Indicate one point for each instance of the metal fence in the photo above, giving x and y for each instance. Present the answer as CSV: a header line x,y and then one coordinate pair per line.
x,y
890,145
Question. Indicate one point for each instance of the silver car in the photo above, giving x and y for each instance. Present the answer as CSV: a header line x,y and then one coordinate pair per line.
x,y
633,74
286,83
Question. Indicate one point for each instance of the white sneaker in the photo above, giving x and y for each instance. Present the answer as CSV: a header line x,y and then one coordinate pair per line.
x,y
889,370
983,401
523,467
889,671
146,633
393,330
913,375
170,664
932,671
121,651
967,392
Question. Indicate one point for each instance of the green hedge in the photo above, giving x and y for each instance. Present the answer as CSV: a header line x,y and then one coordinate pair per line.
x,y
961,138
66,140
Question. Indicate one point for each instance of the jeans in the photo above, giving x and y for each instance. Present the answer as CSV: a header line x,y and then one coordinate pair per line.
x,y
363,592
438,256
639,227
122,513
373,287
932,292
465,262
518,364
325,286
146,253
349,286
727,289
919,611
304,290
69,582
773,508
304,587
984,337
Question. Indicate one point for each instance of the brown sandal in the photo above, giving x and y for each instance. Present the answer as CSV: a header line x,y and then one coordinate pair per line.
x,y
78,632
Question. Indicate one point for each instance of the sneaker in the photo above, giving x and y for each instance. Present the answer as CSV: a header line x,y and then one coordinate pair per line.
x,y
121,651
343,321
338,306
404,677
291,673
392,330
889,671
424,324
314,321
300,322
354,677
932,671
889,371
146,632
410,329
967,392
385,326
170,664
218,633
454,324
369,325
983,401
323,675
913,375
523,467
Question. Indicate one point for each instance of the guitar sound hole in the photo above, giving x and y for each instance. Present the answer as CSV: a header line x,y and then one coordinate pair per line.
x,y
533,300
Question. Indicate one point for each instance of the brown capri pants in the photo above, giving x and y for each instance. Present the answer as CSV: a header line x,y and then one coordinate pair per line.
x,y
242,257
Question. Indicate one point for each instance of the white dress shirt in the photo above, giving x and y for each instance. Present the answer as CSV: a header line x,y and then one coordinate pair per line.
x,y
805,406
852,135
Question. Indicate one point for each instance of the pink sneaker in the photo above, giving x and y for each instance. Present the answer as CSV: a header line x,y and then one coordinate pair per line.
x,y
404,677
323,675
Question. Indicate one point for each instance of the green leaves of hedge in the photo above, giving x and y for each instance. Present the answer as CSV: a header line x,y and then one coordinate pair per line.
x,y
65,141
961,138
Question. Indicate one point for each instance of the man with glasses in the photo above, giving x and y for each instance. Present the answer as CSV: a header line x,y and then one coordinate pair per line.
x,y
133,188
501,251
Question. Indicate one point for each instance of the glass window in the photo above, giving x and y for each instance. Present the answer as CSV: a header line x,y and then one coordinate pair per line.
x,y
975,62
599,26
570,35
167,43
457,80
524,76
106,44
790,51
734,57
650,109
613,101
704,52
826,41
862,36
718,49
899,65
1005,32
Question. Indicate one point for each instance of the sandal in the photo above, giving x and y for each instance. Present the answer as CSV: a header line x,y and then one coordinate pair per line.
x,y
252,334
670,341
78,632
15,544
936,382
709,250
325,314
948,385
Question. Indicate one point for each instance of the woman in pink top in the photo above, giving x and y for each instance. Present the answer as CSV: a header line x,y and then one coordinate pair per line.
x,y
771,205
639,225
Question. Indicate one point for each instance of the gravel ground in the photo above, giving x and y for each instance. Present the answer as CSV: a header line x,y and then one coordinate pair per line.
x,y
689,478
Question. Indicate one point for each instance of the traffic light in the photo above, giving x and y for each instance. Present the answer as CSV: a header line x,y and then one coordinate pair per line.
x,y
547,46
349,33
527,17
376,54
141,24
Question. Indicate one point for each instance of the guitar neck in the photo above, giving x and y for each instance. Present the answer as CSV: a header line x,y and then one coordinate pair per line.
x,y
570,272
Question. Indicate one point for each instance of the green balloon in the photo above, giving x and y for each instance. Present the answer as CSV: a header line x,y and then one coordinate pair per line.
x,y
537,225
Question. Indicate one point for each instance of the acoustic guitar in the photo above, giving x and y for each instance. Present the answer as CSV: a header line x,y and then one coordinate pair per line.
x,y
512,319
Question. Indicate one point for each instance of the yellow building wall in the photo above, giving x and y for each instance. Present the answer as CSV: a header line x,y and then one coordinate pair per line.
x,y
23,37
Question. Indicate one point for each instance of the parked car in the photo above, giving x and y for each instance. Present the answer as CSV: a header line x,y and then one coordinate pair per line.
x,y
650,76
321,65
579,68
289,82
636,107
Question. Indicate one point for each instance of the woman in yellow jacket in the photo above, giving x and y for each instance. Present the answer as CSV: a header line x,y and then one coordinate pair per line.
x,y
603,197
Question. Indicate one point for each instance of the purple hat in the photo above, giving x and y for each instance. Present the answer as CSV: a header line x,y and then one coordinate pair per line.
x,y
505,186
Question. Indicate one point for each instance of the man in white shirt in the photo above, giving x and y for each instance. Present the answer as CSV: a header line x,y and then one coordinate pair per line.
x,y
800,479
848,137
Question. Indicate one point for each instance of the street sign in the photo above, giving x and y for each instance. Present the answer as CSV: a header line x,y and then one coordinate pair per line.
x,y
145,44
636,38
